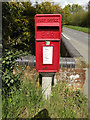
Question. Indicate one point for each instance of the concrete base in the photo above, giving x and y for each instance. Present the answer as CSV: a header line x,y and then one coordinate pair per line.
x,y
46,87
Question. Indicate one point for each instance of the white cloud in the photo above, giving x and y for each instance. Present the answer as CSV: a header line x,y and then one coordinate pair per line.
x,y
65,2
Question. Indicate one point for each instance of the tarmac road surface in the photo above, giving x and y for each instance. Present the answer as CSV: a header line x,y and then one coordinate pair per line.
x,y
79,40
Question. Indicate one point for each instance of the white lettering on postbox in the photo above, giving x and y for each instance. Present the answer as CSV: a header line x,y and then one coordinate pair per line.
x,y
48,20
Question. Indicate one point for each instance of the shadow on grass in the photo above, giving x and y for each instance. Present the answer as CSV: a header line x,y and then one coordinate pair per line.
x,y
42,114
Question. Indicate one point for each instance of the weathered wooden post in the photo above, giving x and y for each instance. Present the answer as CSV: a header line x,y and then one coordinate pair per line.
x,y
47,44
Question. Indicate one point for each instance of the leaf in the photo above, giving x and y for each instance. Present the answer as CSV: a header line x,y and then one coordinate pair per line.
x,y
12,81
3,61
8,84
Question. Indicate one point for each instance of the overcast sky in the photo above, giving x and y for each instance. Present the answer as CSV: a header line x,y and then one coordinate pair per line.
x,y
65,2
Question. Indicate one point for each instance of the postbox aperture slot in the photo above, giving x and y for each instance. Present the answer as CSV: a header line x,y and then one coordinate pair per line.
x,y
55,28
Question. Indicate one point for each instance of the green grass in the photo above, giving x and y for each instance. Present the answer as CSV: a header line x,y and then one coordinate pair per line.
x,y
0,105
65,103
27,102
83,29
22,102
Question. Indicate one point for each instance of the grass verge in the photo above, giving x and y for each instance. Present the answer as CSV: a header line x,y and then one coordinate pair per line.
x,y
27,102
83,29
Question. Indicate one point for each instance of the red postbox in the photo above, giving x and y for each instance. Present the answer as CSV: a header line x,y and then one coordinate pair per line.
x,y
47,42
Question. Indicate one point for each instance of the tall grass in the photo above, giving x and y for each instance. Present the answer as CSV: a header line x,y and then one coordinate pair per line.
x,y
66,103
27,102
23,102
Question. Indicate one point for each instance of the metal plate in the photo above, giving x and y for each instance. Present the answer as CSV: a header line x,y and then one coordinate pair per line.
x,y
47,54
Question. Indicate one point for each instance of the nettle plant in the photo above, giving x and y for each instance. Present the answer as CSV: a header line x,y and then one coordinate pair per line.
x,y
9,80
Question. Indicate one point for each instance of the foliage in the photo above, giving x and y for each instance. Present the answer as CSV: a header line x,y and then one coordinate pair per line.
x,y
65,103
5,23
75,8
66,13
24,102
75,15
48,8
89,14
18,26
8,61
27,102
78,19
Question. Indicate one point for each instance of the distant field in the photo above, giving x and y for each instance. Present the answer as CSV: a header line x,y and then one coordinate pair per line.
x,y
83,29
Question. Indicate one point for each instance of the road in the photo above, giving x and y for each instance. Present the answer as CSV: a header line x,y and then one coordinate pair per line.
x,y
78,39
81,42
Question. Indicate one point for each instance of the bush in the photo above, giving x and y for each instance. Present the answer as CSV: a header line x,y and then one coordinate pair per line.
x,y
8,78
78,19
24,102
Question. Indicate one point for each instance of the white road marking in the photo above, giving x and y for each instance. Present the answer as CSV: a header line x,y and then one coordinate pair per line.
x,y
65,36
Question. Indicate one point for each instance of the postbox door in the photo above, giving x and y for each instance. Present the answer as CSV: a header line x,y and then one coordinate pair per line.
x,y
52,52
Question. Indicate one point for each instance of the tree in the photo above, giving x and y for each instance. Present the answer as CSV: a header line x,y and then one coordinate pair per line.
x,y
89,14
75,15
10,21
76,8
48,8
6,19
18,25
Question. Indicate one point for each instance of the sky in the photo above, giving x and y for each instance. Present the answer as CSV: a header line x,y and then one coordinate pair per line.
x,y
65,2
